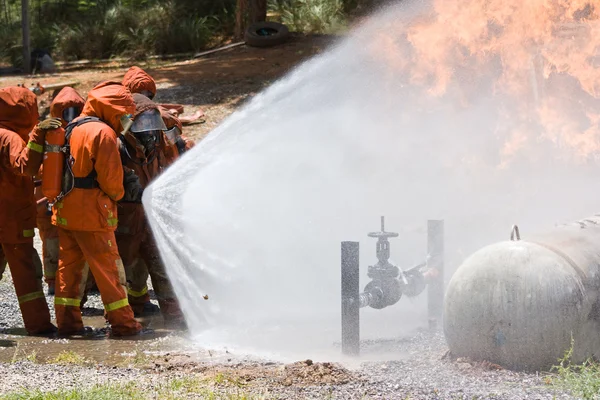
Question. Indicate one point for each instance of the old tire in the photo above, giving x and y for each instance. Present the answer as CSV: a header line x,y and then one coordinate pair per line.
x,y
266,34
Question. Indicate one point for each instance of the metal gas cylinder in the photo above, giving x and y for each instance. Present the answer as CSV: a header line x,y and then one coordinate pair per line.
x,y
521,303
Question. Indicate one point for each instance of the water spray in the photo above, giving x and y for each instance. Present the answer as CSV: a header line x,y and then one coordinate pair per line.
x,y
389,282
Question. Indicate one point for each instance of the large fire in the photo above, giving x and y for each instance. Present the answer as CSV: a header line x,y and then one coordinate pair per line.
x,y
541,55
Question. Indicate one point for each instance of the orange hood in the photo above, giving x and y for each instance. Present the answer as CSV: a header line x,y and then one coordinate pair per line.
x,y
109,101
18,110
137,80
66,98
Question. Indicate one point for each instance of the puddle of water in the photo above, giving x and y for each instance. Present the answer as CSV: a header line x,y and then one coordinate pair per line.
x,y
16,345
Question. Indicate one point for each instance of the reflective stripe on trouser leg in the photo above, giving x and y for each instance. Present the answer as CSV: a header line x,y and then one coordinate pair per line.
x,y
28,286
69,275
137,278
101,252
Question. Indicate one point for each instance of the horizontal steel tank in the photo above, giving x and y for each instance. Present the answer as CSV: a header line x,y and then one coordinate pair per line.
x,y
521,303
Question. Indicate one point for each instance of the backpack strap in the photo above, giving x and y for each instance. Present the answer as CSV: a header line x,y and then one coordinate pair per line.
x,y
88,182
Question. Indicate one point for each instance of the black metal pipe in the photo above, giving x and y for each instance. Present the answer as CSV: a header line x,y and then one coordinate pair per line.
x,y
350,299
435,290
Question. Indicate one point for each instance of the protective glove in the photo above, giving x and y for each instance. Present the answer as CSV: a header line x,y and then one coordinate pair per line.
x,y
133,187
49,124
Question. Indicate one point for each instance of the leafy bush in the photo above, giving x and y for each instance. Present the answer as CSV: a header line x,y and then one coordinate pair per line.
x,y
86,29
310,16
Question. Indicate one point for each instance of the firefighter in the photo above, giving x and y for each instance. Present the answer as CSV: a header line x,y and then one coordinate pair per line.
x,y
143,157
66,105
139,81
86,216
20,159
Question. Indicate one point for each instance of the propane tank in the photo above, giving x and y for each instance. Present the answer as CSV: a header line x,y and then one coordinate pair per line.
x,y
523,303
53,164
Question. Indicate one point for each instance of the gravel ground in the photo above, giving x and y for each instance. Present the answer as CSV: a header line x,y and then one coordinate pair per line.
x,y
425,373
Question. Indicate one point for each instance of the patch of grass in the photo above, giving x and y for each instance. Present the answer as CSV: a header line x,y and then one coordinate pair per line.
x,y
127,391
583,380
23,356
173,389
69,357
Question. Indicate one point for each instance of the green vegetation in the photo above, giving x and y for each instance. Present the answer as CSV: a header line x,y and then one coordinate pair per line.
x,y
24,356
69,357
173,389
101,29
311,16
582,380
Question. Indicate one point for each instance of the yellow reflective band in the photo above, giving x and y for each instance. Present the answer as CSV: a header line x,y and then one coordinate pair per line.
x,y
134,293
27,233
61,221
35,147
116,305
63,301
112,221
30,296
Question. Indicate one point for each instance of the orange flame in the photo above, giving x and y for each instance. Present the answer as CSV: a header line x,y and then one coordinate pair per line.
x,y
543,54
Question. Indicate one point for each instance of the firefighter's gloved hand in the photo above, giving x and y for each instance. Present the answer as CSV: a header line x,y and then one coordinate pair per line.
x,y
133,187
50,123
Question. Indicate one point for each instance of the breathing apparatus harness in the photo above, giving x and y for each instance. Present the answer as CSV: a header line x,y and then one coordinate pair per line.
x,y
69,180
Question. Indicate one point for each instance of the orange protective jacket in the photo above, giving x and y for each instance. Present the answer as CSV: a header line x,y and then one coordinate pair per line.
x,y
131,215
137,80
94,147
66,98
20,159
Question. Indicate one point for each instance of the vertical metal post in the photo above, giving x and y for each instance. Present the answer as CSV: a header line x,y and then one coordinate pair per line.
x,y
435,252
25,32
350,299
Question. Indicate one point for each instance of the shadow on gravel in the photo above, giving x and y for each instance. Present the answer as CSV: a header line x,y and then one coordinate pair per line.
x,y
7,343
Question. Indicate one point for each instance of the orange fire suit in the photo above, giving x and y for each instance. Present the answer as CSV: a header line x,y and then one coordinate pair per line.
x,y
137,80
66,98
87,216
135,240
2,263
134,236
20,159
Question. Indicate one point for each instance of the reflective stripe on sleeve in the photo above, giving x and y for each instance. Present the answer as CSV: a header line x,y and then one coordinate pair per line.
x,y
116,305
35,147
27,233
30,296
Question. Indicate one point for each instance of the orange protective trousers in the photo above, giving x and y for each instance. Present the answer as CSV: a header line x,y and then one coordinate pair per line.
x,y
27,280
49,236
100,250
142,258
2,263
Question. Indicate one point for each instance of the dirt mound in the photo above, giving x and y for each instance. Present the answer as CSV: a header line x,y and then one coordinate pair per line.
x,y
309,373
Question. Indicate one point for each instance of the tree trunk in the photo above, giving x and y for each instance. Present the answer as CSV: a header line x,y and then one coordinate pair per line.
x,y
247,13
26,41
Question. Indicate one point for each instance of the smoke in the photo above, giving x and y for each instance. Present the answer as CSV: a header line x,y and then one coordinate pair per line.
x,y
479,113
